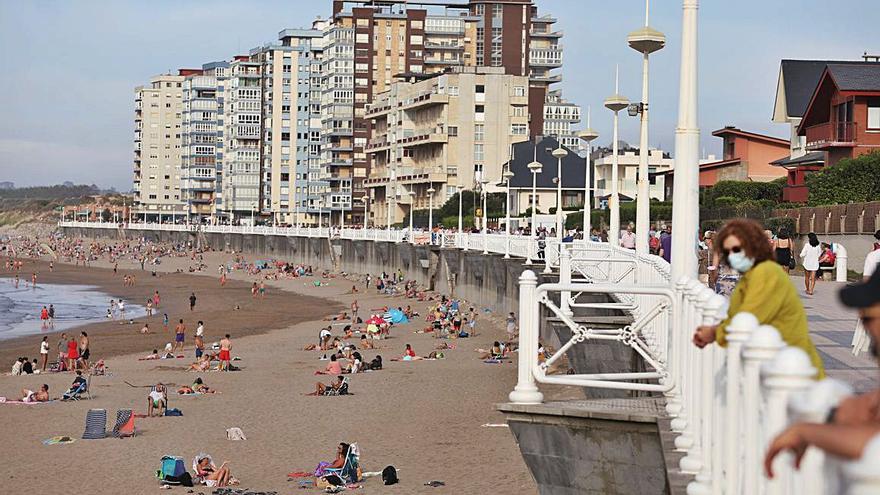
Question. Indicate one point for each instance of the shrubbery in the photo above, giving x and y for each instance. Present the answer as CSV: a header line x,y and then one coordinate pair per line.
x,y
854,180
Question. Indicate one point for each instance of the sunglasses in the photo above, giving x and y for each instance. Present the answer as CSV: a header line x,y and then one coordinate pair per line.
x,y
734,249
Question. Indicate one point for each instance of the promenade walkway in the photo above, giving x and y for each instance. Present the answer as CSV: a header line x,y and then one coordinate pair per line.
x,y
831,326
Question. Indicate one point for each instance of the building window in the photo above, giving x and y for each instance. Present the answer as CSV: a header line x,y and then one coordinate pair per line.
x,y
519,129
478,152
479,108
479,132
452,130
519,91
479,88
873,113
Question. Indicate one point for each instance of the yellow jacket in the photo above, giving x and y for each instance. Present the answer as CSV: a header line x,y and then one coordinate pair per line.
x,y
766,292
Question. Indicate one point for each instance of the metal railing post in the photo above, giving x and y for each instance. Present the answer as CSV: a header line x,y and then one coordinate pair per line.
x,y
565,278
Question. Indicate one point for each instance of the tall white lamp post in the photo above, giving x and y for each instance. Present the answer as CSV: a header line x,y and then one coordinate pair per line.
x,y
412,204
535,167
462,244
588,135
646,41
366,200
686,195
559,153
485,183
615,103
507,175
431,192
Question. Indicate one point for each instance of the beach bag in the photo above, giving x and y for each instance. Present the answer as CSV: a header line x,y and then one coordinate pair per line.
x,y
389,475
173,412
235,433
173,470
791,263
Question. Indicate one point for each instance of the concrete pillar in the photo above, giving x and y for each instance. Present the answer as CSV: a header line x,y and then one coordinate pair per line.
x,y
526,391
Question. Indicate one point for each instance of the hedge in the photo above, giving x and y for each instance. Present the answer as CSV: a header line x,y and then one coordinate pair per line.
x,y
853,180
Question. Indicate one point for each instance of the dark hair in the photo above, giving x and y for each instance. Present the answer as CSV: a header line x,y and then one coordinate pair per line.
x,y
79,373
364,337
84,334
181,320
877,235
357,355
496,344
198,380
201,322
333,357
155,351
408,346
46,386
814,241
227,335
783,233
344,448
751,235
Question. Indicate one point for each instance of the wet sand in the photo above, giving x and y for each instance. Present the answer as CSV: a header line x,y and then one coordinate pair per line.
x,y
214,306
423,417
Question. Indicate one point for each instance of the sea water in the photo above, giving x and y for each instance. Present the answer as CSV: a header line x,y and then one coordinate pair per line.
x,y
74,305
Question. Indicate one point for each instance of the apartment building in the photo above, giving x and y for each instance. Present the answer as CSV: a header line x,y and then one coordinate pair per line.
x,y
243,195
157,148
291,124
201,139
659,162
559,118
434,133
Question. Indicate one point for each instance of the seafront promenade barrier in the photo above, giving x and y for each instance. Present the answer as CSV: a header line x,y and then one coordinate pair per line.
x,y
725,404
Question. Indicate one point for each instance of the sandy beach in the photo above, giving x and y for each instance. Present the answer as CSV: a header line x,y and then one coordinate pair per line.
x,y
423,417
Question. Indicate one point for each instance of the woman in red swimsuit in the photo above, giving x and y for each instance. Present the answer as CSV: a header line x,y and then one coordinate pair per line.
x,y
72,354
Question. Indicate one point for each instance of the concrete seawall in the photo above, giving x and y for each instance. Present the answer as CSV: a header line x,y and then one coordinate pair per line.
x,y
489,281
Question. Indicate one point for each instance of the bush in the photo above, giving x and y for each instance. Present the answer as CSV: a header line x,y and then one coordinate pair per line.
x,y
777,223
452,222
854,180
741,191
726,201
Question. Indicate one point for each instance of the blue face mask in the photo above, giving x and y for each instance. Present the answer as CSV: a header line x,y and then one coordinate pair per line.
x,y
740,262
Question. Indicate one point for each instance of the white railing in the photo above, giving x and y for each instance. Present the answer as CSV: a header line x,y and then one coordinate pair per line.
x,y
726,404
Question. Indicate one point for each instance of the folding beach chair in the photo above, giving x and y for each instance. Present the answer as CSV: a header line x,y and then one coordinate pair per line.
x,y
349,470
124,426
84,388
165,397
342,390
96,424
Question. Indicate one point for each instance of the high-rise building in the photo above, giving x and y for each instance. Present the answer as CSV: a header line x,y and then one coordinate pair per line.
x,y
291,124
157,148
201,139
440,132
243,197
559,117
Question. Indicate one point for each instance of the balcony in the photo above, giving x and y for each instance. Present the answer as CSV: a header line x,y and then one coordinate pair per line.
x,y
424,100
377,109
546,78
423,139
545,58
375,145
546,34
443,61
433,45
831,135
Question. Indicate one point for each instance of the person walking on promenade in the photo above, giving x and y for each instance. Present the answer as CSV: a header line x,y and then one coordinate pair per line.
x,y
861,340
810,256
764,290
782,249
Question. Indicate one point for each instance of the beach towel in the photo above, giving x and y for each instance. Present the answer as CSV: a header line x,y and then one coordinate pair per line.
x,y
96,424
58,440
4,400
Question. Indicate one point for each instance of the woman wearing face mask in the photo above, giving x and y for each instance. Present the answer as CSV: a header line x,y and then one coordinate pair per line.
x,y
763,290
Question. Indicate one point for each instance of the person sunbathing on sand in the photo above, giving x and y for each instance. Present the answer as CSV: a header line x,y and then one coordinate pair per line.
x,y
154,355
203,364
338,317
334,367
409,355
321,389
366,343
198,386
41,395
497,351
210,475
146,328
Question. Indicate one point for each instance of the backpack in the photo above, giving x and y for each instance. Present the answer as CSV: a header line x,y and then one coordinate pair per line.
x,y
389,475
173,471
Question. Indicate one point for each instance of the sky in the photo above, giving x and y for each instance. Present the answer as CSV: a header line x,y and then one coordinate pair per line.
x,y
69,68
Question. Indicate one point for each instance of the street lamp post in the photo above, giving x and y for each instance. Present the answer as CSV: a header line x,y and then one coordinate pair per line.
x,y
507,175
366,201
535,167
412,204
646,41
559,153
615,103
462,244
587,135
485,183
431,192
685,214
